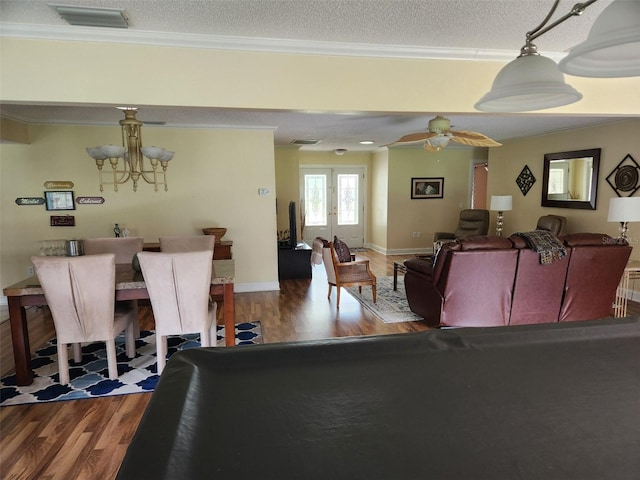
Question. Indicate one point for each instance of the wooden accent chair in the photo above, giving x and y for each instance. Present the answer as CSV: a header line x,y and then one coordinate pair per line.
x,y
80,292
178,285
186,243
346,273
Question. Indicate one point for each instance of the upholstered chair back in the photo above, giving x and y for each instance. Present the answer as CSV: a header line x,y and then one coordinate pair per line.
x,y
124,248
187,243
80,292
552,223
178,285
472,222
328,259
595,269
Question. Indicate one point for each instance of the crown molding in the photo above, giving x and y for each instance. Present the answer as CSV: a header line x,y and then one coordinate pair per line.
x,y
255,44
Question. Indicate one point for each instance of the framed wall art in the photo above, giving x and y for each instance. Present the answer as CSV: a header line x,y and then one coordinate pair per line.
x,y
59,200
625,178
427,187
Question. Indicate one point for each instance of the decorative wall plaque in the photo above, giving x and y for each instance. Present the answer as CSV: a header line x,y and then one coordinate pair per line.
x,y
55,184
29,201
63,221
525,180
89,200
625,178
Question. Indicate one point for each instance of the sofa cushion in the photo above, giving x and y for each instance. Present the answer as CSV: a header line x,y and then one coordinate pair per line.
x,y
342,250
421,265
483,242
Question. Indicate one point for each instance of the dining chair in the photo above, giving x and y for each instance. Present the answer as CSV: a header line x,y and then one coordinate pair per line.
x,y
80,292
123,247
178,285
186,243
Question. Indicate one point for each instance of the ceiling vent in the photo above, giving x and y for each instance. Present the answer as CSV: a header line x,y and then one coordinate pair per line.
x,y
92,17
305,142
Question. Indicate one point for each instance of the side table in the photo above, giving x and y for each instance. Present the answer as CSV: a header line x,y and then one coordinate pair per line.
x,y
631,271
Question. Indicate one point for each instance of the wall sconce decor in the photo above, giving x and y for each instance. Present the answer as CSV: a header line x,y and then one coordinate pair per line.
x,y
525,180
132,154
625,178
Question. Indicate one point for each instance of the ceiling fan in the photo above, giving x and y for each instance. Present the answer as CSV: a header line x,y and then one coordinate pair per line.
x,y
440,134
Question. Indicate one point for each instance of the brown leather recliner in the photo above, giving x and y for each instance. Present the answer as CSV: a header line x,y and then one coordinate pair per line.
x,y
538,289
471,222
470,284
552,223
597,264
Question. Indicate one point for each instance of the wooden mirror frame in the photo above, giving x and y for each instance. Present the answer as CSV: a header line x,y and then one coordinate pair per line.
x,y
593,192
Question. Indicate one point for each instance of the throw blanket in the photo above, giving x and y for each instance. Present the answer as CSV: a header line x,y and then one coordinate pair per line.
x,y
545,243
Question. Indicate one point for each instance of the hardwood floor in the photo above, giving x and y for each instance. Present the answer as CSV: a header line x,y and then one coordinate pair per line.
x,y
87,439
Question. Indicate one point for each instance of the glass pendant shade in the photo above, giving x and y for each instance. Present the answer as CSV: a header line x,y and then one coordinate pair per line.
x,y
439,141
530,82
612,48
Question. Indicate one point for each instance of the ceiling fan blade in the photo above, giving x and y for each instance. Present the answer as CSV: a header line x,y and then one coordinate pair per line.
x,y
474,139
415,137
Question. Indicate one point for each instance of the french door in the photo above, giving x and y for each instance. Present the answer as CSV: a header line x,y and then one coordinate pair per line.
x,y
333,204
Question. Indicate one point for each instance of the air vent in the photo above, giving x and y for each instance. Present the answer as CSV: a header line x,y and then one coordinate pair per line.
x,y
92,17
305,142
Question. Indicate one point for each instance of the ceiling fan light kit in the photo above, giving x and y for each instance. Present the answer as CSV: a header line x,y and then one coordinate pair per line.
x,y
533,82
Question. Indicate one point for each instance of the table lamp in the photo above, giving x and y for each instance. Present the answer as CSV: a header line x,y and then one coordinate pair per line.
x,y
501,204
624,210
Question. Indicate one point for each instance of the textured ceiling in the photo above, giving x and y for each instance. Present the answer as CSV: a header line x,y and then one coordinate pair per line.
x,y
426,28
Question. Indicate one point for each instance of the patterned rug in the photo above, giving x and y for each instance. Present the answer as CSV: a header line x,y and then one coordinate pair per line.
x,y
391,306
90,379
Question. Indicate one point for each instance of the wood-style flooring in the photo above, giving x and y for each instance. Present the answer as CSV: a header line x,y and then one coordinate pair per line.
x,y
87,439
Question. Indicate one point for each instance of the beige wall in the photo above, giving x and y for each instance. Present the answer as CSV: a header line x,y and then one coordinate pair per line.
x,y
506,162
213,181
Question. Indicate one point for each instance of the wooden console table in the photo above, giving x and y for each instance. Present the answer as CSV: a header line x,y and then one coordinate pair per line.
x,y
631,271
221,251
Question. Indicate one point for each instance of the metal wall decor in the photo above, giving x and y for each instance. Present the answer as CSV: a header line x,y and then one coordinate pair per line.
x,y
625,178
525,180
89,200
57,184
63,221
29,201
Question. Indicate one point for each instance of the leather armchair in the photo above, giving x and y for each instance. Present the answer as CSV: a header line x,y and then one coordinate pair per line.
x,y
471,222
552,223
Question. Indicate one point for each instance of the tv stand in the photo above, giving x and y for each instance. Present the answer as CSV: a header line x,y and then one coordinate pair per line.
x,y
294,262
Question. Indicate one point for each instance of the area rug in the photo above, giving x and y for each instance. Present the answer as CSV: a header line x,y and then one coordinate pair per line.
x,y
90,379
391,306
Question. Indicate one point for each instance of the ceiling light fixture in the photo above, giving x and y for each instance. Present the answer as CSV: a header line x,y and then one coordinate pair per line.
x,y
533,82
132,154
366,142
340,151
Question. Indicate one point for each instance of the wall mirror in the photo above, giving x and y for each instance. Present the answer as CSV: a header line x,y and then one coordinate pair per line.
x,y
570,179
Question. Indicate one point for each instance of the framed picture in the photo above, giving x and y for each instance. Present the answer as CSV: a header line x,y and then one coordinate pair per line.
x,y
431,187
59,200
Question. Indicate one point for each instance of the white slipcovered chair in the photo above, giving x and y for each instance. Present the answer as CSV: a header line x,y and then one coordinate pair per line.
x,y
178,286
80,292
187,243
123,247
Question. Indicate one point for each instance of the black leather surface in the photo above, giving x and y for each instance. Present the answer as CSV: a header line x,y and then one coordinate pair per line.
x,y
552,401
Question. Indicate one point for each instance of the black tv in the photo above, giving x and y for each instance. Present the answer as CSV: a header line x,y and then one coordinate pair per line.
x,y
293,228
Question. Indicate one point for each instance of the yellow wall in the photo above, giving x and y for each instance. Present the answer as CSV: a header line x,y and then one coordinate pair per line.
x,y
506,162
379,200
213,181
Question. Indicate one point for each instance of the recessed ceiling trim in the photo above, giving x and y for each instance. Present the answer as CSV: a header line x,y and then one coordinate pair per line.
x,y
218,42
92,17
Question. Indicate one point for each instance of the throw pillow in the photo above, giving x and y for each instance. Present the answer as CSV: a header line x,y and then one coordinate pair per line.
x,y
342,250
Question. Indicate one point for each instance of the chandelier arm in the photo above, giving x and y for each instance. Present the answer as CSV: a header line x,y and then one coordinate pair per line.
x,y
577,9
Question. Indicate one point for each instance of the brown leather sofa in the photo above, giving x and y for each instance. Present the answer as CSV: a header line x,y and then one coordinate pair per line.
x,y
485,281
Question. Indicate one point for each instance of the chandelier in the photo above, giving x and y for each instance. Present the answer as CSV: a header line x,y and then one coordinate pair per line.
x,y
132,154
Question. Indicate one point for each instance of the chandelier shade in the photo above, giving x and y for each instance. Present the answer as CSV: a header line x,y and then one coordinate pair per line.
x,y
612,48
132,155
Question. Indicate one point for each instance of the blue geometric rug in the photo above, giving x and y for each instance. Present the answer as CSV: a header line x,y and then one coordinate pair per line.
x,y
90,378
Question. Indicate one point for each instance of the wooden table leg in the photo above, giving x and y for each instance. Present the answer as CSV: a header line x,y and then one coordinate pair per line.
x,y
20,341
229,316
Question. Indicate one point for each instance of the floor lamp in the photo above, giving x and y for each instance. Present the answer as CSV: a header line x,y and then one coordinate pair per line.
x,y
501,204
624,210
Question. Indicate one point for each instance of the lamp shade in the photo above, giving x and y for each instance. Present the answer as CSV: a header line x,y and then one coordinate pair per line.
x,y
530,82
624,209
501,203
612,48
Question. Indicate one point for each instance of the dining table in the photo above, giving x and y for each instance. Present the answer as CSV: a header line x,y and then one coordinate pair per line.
x,y
129,285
